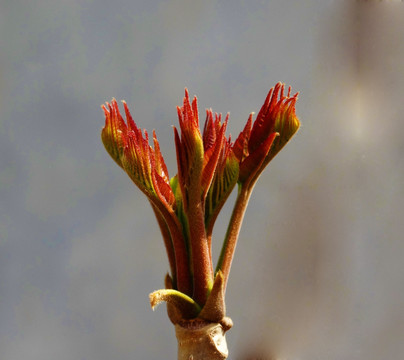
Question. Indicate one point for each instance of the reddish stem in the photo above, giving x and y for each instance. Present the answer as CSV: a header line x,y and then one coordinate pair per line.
x,y
183,272
201,259
230,241
165,232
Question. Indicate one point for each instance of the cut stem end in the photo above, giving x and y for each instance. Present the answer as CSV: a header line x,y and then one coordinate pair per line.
x,y
200,341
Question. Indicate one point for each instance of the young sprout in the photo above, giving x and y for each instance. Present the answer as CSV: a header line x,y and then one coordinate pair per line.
x,y
187,205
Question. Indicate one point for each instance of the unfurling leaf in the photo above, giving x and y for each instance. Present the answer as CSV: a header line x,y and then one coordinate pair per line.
x,y
225,178
184,304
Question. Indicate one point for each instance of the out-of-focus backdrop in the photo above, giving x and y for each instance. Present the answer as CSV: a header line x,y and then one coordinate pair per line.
x,y
318,272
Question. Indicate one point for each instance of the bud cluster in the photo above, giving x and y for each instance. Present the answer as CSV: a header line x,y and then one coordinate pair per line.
x,y
187,205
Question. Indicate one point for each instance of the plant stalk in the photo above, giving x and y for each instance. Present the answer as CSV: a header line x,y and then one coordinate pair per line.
x,y
230,241
204,341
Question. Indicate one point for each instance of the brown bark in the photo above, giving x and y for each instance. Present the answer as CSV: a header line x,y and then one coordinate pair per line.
x,y
202,340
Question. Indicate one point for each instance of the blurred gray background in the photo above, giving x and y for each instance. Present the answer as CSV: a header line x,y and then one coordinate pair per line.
x,y
318,272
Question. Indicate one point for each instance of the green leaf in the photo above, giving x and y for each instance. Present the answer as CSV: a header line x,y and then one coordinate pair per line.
x,y
111,134
184,304
179,209
225,179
